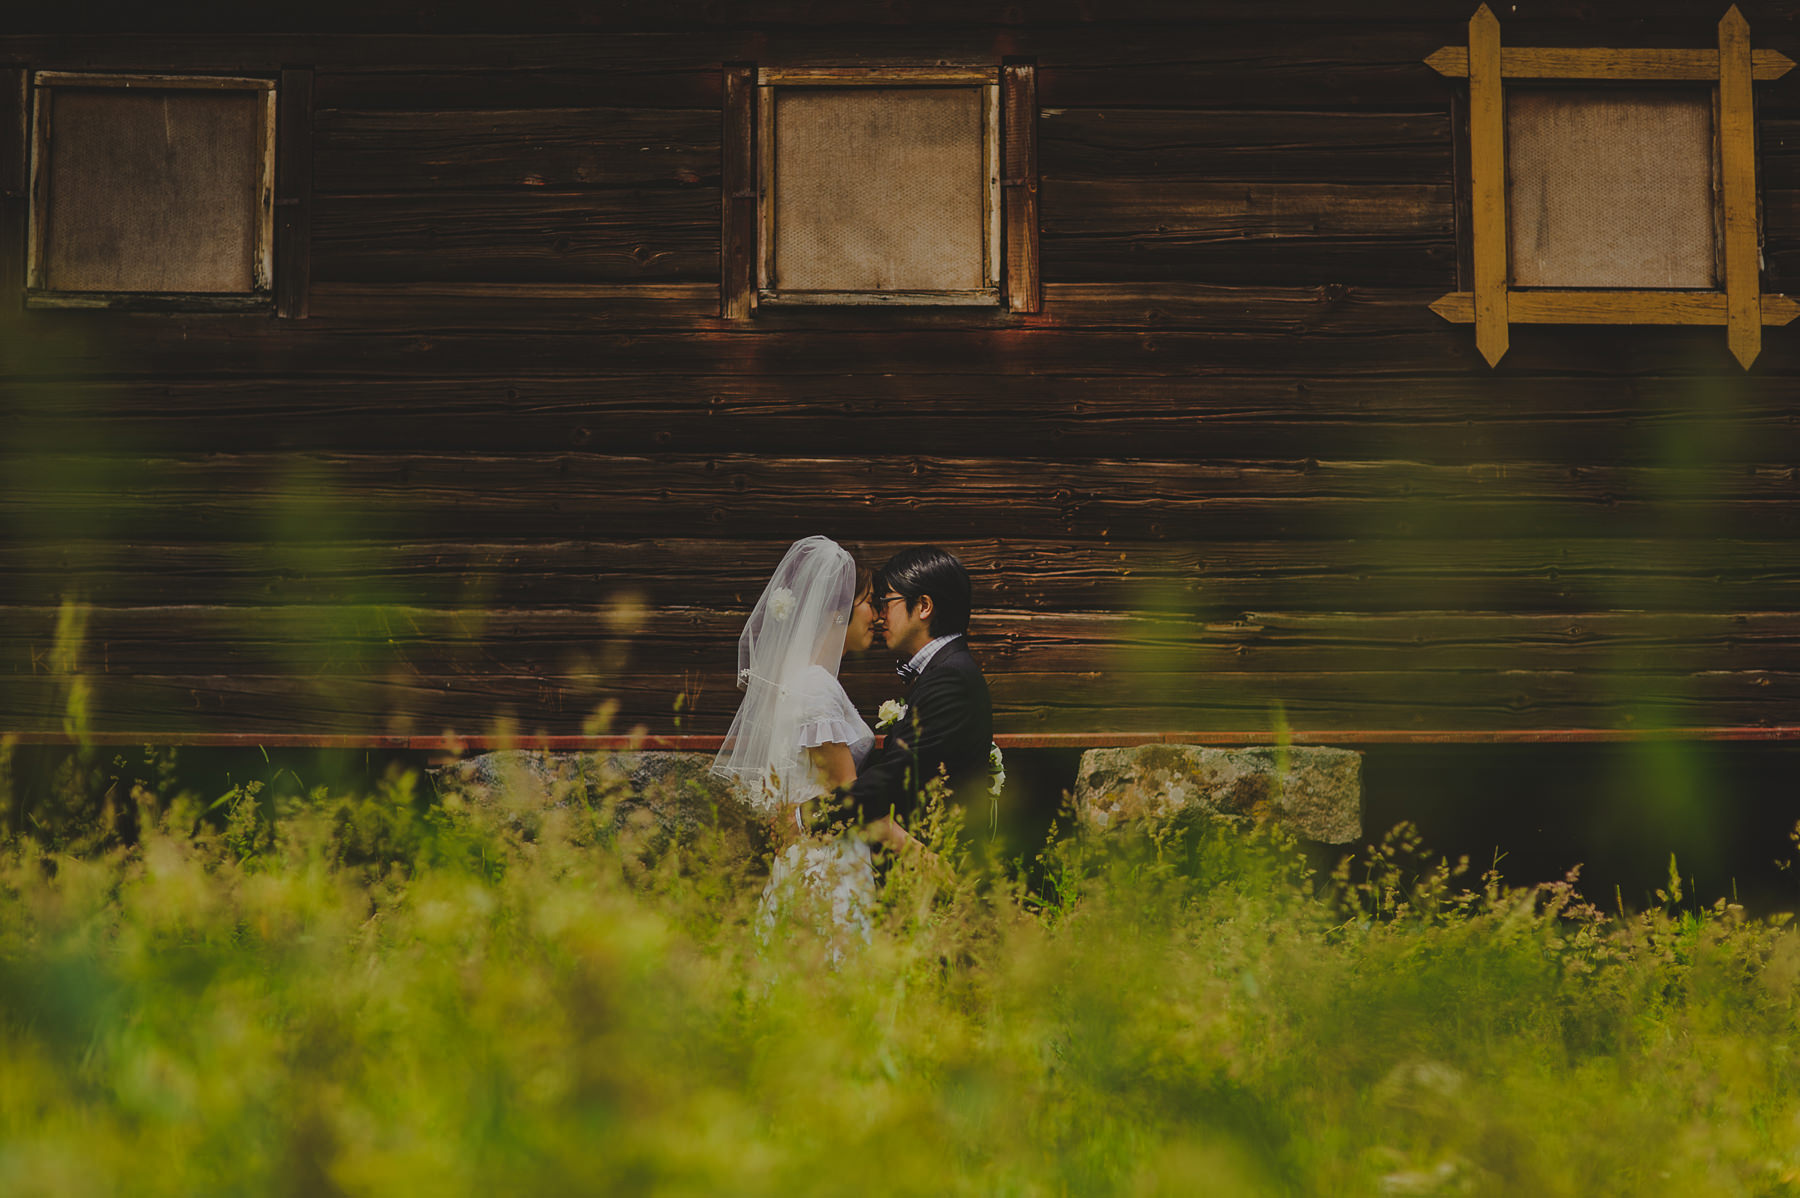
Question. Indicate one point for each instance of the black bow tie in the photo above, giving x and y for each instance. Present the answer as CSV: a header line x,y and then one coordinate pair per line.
x,y
907,671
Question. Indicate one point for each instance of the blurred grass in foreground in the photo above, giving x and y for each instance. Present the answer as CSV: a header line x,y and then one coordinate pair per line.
x,y
391,994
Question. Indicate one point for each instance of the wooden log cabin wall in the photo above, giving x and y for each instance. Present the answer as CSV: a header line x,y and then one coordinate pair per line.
x,y
490,456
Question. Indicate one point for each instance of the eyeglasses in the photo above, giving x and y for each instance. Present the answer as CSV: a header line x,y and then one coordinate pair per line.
x,y
886,601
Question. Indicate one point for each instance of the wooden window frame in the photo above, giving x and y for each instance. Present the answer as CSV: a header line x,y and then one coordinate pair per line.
x,y
262,297
15,192
1009,226
1739,304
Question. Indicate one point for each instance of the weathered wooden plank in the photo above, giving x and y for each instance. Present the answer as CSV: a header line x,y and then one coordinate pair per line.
x,y
377,496
1206,209
14,189
1777,147
98,346
104,345
497,85
1218,61
1294,259
1446,420
1274,146
434,308
592,236
738,222
386,152
1225,64
560,16
1024,702
293,194
1322,309
1019,182
1326,310
628,636
1218,580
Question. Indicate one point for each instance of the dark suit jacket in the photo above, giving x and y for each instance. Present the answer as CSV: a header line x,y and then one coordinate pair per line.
x,y
949,724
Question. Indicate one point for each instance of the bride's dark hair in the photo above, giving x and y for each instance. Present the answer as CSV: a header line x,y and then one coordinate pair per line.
x,y
865,584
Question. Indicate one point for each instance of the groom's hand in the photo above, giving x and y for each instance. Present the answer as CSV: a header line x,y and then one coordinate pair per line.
x,y
888,833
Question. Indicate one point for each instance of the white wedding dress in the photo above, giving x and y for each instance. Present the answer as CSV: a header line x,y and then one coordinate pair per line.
x,y
788,658
826,884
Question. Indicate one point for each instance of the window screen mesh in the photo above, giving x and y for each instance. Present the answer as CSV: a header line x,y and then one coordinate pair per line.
x,y
152,190
878,189
1611,188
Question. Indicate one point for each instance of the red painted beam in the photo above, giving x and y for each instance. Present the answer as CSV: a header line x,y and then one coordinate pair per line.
x,y
1045,740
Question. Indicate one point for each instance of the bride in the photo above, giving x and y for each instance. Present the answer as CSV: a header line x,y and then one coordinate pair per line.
x,y
797,735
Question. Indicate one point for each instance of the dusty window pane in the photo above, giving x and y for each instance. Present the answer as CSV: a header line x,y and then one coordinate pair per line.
x,y
1611,188
152,191
878,189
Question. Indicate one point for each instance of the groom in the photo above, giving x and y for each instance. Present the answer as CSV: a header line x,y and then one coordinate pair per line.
x,y
922,597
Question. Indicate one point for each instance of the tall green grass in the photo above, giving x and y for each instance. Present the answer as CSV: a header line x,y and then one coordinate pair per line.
x,y
394,994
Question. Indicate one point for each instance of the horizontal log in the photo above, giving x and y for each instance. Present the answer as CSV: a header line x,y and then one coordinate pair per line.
x,y
1208,210
1224,67
587,236
1261,64
382,152
1493,418
1215,581
1777,151
1612,17
1781,212
1319,311
1283,54
1277,147
99,345
400,703
324,497
628,636
1275,233
495,85
435,308
1296,260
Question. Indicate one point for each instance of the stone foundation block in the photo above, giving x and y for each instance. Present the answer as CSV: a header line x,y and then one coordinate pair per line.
x,y
672,795
1315,793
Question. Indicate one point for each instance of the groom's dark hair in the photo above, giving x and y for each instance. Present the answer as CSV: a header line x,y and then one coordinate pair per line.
x,y
928,570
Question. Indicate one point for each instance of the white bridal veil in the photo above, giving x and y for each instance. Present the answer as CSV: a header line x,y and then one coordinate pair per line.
x,y
797,624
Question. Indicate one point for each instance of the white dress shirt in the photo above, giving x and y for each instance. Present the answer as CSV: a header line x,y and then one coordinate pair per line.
x,y
923,657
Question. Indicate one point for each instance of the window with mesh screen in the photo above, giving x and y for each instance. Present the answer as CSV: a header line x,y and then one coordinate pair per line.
x,y
152,186
1612,188
878,192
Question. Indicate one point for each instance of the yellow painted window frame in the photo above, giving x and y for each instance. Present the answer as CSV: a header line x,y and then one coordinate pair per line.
x,y
1740,305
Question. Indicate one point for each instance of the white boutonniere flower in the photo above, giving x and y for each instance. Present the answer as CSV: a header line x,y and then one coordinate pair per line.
x,y
889,714
996,768
781,603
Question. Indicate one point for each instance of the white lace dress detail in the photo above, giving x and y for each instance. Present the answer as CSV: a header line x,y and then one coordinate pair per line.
x,y
830,718
825,883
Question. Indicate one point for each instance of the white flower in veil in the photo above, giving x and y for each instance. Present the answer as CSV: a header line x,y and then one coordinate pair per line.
x,y
798,623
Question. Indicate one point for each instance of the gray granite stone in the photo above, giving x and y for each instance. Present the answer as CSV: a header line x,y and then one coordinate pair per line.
x,y
671,796
1317,796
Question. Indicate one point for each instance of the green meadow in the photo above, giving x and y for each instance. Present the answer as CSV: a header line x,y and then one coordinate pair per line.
x,y
397,993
